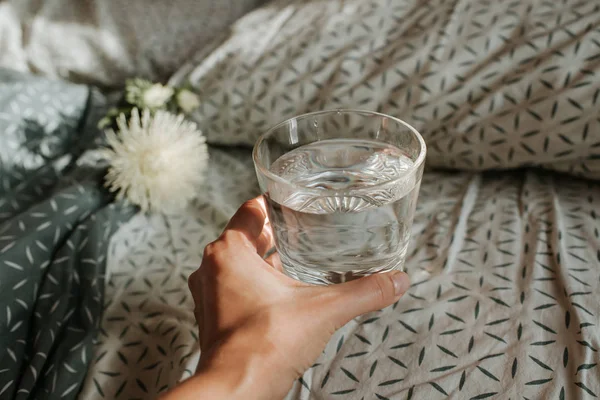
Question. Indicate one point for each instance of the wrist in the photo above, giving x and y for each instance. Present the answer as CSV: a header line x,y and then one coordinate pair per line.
x,y
217,383
237,369
238,373
245,366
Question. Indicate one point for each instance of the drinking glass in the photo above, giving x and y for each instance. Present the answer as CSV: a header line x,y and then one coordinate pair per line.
x,y
341,188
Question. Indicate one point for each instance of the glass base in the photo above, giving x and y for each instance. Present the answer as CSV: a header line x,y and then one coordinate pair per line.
x,y
316,276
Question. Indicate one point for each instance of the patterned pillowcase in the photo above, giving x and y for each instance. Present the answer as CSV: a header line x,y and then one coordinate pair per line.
x,y
103,42
43,125
489,84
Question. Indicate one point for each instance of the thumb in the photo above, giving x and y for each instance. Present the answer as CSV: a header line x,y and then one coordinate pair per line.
x,y
371,293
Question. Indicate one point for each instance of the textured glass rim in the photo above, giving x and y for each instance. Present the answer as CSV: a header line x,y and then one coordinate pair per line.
x,y
270,175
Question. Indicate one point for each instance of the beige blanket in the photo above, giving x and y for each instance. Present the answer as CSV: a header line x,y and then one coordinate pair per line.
x,y
504,302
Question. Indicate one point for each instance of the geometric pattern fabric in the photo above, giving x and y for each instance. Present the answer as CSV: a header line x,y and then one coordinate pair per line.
x,y
503,303
490,85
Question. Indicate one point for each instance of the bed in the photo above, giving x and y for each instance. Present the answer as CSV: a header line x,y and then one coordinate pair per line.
x,y
505,250
503,302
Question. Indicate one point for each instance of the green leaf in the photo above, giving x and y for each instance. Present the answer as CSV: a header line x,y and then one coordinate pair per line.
x,y
360,353
373,367
483,396
498,321
461,286
582,386
438,388
541,364
401,345
303,383
583,367
397,362
586,344
457,299
544,327
97,385
141,385
370,320
498,301
455,317
385,333
498,338
120,389
362,338
445,350
491,356
543,343
463,378
488,373
390,382
442,369
340,392
538,382
325,379
412,310
104,122
410,328
349,374
340,343
451,332
544,306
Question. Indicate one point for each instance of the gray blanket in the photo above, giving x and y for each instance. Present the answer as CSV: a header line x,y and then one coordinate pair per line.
x,y
55,223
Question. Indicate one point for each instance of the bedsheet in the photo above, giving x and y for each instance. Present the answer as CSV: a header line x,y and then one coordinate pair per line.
x,y
55,226
504,301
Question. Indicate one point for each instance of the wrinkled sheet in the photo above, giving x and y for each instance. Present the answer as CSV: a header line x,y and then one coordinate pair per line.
x,y
504,302
55,226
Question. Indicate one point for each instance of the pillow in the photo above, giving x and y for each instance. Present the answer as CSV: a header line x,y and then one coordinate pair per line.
x,y
40,125
103,42
490,85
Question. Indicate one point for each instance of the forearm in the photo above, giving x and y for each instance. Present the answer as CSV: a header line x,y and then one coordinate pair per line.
x,y
209,385
233,371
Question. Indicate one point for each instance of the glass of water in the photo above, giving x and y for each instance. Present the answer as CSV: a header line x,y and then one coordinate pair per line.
x,y
341,188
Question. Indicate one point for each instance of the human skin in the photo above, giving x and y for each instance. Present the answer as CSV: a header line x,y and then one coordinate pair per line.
x,y
259,330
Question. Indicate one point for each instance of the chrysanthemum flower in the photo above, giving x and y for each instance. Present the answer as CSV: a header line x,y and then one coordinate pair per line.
x,y
156,162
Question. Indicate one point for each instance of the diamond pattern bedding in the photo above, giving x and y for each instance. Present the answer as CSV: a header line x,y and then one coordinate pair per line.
x,y
505,266
489,84
504,301
55,227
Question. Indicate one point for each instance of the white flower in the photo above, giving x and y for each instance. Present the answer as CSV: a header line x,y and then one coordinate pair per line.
x,y
156,162
187,101
156,96
135,89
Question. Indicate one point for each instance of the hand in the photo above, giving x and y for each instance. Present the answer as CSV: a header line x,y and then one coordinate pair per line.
x,y
259,329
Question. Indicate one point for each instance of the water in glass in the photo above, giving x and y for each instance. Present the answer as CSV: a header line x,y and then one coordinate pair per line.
x,y
330,238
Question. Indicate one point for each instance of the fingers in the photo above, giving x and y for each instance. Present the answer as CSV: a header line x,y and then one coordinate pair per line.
x,y
250,220
371,293
274,261
265,241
